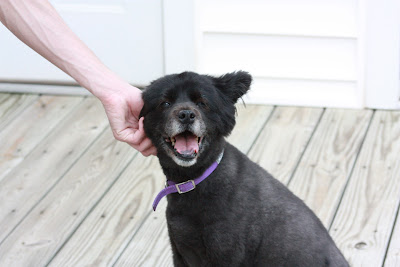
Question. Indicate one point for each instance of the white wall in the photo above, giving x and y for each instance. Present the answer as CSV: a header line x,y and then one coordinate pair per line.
x,y
333,53
126,35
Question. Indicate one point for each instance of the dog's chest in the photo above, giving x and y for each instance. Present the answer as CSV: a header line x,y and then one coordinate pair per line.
x,y
187,234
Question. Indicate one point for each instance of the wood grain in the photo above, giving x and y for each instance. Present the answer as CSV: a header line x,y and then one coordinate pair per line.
x,y
283,140
116,218
24,186
150,247
151,243
27,130
42,233
249,121
328,160
11,105
72,196
393,254
364,220
3,96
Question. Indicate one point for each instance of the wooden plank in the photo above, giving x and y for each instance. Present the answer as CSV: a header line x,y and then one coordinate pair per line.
x,y
24,186
4,96
150,246
393,254
11,105
115,220
30,127
150,249
108,229
326,165
249,122
365,217
35,241
281,143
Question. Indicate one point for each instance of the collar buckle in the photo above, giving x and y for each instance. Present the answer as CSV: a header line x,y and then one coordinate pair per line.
x,y
185,186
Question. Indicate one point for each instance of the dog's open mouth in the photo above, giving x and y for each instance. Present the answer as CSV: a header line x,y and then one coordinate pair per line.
x,y
186,145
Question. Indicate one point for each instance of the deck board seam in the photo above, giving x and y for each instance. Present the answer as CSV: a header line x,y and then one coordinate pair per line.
x,y
60,121
352,170
29,153
261,129
122,251
306,147
16,114
391,233
135,155
54,185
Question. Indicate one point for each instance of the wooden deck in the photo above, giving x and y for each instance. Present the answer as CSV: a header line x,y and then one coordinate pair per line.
x,y
70,195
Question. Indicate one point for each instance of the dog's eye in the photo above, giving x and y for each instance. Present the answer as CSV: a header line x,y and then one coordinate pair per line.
x,y
201,104
165,104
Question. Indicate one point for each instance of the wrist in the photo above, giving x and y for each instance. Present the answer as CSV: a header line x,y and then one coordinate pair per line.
x,y
107,85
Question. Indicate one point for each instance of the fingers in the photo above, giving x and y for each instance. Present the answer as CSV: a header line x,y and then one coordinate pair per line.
x,y
145,144
138,140
151,151
138,136
142,143
146,148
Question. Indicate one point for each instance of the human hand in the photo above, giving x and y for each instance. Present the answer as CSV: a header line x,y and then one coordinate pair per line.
x,y
123,107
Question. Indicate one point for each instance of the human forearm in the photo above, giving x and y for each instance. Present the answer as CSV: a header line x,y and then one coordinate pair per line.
x,y
38,25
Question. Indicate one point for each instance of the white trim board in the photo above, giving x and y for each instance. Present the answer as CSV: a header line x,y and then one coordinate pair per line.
x,y
336,94
381,40
42,89
178,35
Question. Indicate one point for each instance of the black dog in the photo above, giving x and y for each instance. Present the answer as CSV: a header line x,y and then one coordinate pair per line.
x,y
240,215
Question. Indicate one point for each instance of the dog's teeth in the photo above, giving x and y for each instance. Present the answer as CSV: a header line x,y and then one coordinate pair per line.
x,y
173,143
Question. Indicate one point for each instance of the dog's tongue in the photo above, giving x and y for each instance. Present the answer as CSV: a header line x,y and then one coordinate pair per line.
x,y
186,144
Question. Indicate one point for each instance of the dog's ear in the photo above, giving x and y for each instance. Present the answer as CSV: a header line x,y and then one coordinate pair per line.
x,y
145,108
143,112
234,85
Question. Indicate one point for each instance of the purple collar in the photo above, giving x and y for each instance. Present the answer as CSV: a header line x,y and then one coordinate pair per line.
x,y
172,187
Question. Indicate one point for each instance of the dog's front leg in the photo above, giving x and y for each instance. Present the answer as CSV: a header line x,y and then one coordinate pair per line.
x,y
178,259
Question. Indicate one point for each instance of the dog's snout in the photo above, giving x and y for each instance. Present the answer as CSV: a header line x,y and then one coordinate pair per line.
x,y
186,116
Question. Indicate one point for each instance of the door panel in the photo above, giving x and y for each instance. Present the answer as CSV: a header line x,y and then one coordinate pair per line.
x,y
126,35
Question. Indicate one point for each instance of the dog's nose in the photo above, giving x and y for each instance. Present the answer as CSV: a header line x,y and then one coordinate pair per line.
x,y
186,116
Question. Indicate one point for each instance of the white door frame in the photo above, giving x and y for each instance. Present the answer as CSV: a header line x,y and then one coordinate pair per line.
x,y
381,40
179,29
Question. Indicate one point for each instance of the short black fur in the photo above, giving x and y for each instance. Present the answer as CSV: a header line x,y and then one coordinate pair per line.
x,y
240,215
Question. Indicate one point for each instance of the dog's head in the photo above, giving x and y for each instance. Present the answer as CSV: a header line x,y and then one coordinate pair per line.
x,y
187,114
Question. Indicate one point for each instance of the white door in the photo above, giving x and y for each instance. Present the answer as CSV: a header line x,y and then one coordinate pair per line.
x,y
125,34
333,53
